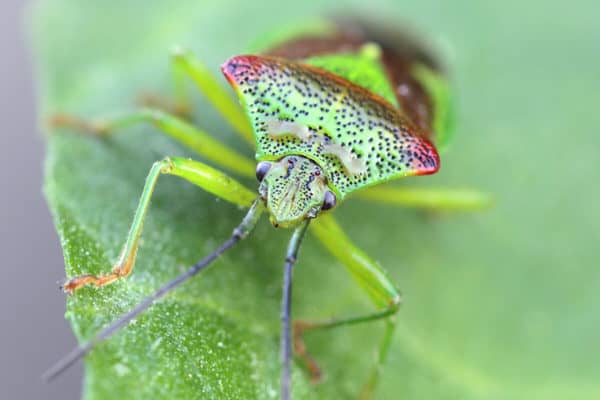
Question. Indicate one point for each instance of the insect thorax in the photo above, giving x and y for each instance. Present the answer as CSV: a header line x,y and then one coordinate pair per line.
x,y
356,137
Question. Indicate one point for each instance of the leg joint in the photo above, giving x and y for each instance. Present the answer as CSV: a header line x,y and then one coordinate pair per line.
x,y
177,53
238,234
393,306
291,259
152,115
396,303
165,165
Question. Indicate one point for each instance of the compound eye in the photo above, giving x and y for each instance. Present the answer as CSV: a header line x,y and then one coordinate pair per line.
x,y
261,169
329,200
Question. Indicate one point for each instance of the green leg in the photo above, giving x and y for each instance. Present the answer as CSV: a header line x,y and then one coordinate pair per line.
x,y
207,178
372,278
428,198
239,233
190,136
215,93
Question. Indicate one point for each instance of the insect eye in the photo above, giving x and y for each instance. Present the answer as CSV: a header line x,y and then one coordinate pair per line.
x,y
261,169
329,200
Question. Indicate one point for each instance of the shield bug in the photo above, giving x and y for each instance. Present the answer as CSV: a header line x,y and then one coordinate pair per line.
x,y
337,108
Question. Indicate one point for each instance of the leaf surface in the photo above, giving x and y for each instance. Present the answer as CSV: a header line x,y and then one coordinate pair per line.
x,y
498,305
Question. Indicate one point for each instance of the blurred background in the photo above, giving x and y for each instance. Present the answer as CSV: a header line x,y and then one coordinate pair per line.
x,y
500,305
32,329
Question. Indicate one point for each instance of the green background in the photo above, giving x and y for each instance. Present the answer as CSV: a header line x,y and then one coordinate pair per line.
x,y
502,304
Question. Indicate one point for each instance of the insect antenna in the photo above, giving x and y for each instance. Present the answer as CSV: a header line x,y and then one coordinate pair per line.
x,y
80,351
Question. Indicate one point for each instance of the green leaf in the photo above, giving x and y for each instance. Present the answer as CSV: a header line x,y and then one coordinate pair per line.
x,y
498,305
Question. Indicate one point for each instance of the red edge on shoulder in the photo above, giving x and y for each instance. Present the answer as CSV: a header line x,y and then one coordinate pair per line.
x,y
237,68
432,163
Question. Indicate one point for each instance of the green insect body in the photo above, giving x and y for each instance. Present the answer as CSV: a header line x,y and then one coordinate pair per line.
x,y
331,111
338,110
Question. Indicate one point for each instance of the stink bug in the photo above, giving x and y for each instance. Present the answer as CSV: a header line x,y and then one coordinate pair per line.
x,y
332,110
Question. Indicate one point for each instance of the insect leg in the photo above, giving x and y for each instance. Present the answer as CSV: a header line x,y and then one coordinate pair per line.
x,y
214,92
428,198
286,308
238,234
372,278
202,175
182,131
